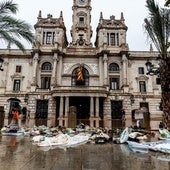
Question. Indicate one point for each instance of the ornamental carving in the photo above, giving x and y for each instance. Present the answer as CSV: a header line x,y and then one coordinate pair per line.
x,y
67,68
94,68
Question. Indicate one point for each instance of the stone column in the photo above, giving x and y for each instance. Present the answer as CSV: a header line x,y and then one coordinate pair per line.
x,y
51,112
105,59
100,71
35,65
97,112
97,106
91,107
66,106
59,70
53,79
91,111
124,60
61,111
107,113
35,60
45,37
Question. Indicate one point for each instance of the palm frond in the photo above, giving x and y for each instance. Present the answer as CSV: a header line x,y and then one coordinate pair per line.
x,y
9,39
167,3
7,7
12,30
157,26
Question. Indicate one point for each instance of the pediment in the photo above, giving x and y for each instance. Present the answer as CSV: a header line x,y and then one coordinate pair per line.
x,y
113,23
142,78
17,76
48,21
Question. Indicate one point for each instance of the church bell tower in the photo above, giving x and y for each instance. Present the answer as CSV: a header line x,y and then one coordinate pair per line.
x,y
81,31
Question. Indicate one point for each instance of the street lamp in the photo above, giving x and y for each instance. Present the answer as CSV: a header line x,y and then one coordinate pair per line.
x,y
1,62
151,68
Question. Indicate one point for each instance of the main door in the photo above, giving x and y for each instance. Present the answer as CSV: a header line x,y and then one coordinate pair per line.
x,y
41,113
144,107
117,114
82,105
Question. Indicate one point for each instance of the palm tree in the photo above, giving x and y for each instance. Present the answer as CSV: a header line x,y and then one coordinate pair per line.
x,y
157,27
167,2
12,29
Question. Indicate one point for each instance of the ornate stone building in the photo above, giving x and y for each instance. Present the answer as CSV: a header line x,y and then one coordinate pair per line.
x,y
65,83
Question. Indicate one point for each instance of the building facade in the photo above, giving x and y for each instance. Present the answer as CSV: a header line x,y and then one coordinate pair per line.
x,y
61,83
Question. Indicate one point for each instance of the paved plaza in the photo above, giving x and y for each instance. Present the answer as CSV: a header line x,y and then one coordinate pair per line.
x,y
18,153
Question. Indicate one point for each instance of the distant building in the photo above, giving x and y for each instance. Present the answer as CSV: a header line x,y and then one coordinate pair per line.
x,y
103,84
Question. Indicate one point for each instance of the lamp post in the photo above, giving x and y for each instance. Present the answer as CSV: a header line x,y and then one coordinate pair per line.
x,y
154,70
151,68
1,62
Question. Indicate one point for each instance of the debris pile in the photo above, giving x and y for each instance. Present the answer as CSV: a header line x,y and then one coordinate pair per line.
x,y
138,140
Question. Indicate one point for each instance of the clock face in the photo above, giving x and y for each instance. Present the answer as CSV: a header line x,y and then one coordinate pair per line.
x,y
82,1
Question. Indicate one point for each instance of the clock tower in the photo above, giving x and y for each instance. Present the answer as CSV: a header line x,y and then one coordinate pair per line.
x,y
81,31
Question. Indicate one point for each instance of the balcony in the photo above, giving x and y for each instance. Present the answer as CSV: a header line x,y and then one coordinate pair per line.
x,y
80,90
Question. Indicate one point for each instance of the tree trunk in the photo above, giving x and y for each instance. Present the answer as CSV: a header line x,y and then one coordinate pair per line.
x,y
165,86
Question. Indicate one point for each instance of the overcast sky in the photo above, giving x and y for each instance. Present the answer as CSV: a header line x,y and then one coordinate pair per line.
x,y
134,13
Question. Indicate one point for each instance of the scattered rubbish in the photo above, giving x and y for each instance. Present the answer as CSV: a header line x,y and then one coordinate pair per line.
x,y
124,135
164,134
62,137
138,147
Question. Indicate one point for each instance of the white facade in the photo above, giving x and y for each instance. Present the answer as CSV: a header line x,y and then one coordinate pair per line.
x,y
48,74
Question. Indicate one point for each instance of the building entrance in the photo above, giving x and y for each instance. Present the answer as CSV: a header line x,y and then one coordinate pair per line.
x,y
117,113
82,105
41,113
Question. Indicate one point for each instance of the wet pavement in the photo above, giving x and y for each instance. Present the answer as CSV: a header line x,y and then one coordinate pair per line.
x,y
18,153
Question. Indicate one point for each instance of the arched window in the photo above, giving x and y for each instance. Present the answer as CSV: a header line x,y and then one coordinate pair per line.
x,y
113,67
114,76
46,75
80,77
46,66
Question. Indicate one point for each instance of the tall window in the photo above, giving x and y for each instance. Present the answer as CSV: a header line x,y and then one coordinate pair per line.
x,y
141,70
81,20
16,86
114,83
18,69
46,79
112,38
158,81
142,86
45,82
48,37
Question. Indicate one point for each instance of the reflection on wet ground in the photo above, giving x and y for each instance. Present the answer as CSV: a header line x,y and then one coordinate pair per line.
x,y
18,153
